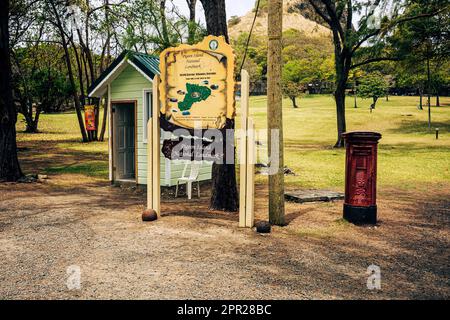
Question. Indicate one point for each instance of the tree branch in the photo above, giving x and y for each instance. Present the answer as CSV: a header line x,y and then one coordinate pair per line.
x,y
335,22
356,65
319,12
393,24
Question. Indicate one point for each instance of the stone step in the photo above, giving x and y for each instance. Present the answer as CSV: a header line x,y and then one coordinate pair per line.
x,y
302,196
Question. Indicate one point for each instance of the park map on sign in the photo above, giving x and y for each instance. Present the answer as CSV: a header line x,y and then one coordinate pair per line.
x,y
197,85
195,93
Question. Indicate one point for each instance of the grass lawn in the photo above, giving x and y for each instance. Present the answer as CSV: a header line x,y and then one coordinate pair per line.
x,y
410,157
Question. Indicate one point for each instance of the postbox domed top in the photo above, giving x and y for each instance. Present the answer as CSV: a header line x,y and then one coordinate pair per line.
x,y
361,136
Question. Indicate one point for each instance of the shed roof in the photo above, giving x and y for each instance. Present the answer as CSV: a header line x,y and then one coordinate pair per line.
x,y
147,65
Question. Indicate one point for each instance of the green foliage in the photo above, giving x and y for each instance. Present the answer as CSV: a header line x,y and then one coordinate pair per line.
x,y
256,59
49,88
142,26
299,71
422,41
373,86
306,59
39,80
296,76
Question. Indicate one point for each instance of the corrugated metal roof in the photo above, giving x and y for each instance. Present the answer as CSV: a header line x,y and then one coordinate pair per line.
x,y
148,64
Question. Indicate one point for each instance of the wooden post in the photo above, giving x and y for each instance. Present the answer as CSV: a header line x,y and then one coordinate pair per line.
x,y
110,135
243,149
153,153
150,163
156,146
274,110
247,156
250,169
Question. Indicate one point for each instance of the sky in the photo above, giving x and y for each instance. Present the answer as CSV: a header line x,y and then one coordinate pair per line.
x,y
233,7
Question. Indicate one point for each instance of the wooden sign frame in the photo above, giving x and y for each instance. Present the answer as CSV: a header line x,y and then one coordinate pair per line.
x,y
247,154
213,46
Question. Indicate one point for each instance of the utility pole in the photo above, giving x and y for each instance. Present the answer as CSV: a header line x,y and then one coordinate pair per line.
x,y
274,112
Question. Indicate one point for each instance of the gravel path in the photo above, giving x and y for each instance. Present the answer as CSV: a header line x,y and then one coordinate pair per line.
x,y
191,253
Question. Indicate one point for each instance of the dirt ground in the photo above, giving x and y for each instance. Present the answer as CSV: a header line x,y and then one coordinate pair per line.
x,y
193,253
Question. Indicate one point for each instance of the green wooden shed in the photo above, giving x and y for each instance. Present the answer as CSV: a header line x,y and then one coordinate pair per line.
x,y
128,85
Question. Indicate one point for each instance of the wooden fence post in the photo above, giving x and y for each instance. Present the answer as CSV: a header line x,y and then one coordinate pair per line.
x,y
250,169
150,164
153,153
110,136
243,149
246,166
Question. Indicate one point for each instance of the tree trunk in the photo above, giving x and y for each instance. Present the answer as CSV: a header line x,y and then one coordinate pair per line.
x,y
191,26
165,33
294,103
339,96
438,103
26,104
216,18
274,111
108,54
420,99
354,94
375,99
342,58
32,124
224,195
80,72
70,73
9,163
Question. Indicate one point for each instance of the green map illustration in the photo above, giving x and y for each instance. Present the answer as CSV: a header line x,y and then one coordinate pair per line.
x,y
195,93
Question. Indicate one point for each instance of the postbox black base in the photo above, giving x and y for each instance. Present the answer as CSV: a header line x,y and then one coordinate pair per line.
x,y
360,215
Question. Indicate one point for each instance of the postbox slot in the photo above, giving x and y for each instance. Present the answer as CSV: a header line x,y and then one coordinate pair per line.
x,y
361,163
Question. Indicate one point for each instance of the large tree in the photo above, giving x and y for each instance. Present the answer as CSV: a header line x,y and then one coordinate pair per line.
x,y
224,194
296,76
56,9
364,40
373,86
192,26
425,43
216,18
9,163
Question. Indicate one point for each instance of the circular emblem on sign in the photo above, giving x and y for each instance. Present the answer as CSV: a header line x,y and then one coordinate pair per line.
x,y
213,44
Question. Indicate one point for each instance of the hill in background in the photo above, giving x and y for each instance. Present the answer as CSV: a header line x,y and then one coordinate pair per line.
x,y
296,15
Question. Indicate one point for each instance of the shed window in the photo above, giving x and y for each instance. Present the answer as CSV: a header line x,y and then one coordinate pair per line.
x,y
147,112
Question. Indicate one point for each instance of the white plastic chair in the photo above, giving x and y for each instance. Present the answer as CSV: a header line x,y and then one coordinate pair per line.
x,y
188,180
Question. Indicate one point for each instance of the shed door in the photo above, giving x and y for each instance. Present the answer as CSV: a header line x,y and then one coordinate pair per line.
x,y
124,160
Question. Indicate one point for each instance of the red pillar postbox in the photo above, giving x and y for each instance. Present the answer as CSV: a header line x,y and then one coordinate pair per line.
x,y
360,206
